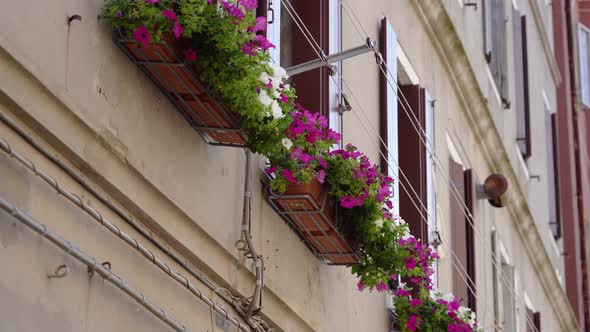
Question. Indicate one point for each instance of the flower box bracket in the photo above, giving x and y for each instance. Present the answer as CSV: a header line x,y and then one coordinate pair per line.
x,y
318,222
200,107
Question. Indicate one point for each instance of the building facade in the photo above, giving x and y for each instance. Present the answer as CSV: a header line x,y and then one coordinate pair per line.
x,y
469,89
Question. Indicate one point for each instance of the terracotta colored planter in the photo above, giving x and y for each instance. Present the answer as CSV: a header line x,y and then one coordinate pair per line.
x,y
313,214
163,62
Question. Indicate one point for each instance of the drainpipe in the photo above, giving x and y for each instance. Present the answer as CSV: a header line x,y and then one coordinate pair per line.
x,y
256,300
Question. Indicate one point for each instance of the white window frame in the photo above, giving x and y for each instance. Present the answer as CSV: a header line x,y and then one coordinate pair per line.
x,y
335,82
273,30
584,65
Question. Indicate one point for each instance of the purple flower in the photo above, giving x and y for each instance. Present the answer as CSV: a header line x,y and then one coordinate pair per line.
x,y
322,162
169,14
268,84
382,193
296,127
393,277
119,13
410,263
360,286
142,36
177,29
234,11
453,328
284,98
321,176
289,176
248,49
323,121
333,136
401,292
264,43
415,302
259,26
190,54
382,287
297,153
249,4
272,169
412,323
389,205
312,136
347,202
152,1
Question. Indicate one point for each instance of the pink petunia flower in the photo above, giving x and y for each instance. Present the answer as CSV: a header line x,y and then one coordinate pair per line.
x,y
382,287
177,29
272,169
264,43
284,98
412,323
248,4
190,54
321,176
260,25
142,36
152,1
248,48
410,263
119,13
169,14
360,286
289,176
415,302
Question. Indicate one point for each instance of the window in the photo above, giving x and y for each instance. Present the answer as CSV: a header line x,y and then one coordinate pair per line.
x,y
316,90
521,81
552,173
494,26
462,238
508,323
533,318
583,36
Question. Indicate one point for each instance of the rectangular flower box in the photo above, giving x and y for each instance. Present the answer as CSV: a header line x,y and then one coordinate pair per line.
x,y
164,64
318,220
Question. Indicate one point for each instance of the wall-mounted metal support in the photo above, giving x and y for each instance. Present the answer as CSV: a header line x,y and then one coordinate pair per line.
x,y
60,272
470,3
326,60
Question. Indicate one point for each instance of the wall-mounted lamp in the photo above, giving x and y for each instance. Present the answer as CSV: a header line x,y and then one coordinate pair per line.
x,y
494,190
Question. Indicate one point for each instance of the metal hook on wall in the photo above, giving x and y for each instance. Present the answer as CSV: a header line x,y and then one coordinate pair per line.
x,y
60,272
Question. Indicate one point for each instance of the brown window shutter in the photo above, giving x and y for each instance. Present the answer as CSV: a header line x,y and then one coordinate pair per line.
x,y
487,30
312,86
525,69
470,239
412,159
383,98
537,321
521,84
553,177
530,325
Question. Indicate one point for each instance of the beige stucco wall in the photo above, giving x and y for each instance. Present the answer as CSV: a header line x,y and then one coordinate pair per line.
x,y
88,103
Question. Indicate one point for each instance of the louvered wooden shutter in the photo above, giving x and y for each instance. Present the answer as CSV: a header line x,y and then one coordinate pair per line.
x,y
537,321
525,69
552,176
458,231
470,239
312,86
412,159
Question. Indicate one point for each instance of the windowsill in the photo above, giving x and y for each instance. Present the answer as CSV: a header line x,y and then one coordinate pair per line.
x,y
494,87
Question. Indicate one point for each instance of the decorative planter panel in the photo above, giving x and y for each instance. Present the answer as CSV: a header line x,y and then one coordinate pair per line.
x,y
319,222
205,112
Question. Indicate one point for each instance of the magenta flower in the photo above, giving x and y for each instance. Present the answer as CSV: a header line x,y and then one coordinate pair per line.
x,y
249,4
142,36
389,205
347,202
453,328
410,263
190,54
401,292
393,277
322,162
272,169
323,121
360,286
382,193
382,287
264,43
296,127
284,98
169,14
333,136
312,136
412,323
119,13
248,49
268,84
177,29
259,26
289,176
298,154
152,1
415,302
234,11
321,176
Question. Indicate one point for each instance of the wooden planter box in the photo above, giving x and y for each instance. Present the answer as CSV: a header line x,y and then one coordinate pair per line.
x,y
164,64
318,221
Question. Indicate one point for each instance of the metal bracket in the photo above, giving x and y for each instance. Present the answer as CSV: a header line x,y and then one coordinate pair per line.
x,y
60,272
326,60
469,3
344,105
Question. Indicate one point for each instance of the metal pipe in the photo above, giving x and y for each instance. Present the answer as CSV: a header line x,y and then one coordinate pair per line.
x,y
122,235
246,215
258,324
326,60
91,262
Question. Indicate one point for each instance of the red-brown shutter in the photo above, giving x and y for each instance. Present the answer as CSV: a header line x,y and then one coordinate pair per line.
x,y
412,159
525,69
458,231
537,321
383,99
523,137
553,177
312,86
470,238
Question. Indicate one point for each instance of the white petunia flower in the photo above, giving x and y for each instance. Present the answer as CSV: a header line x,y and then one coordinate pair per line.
x,y
287,143
449,297
279,72
276,93
276,110
264,77
379,223
264,98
